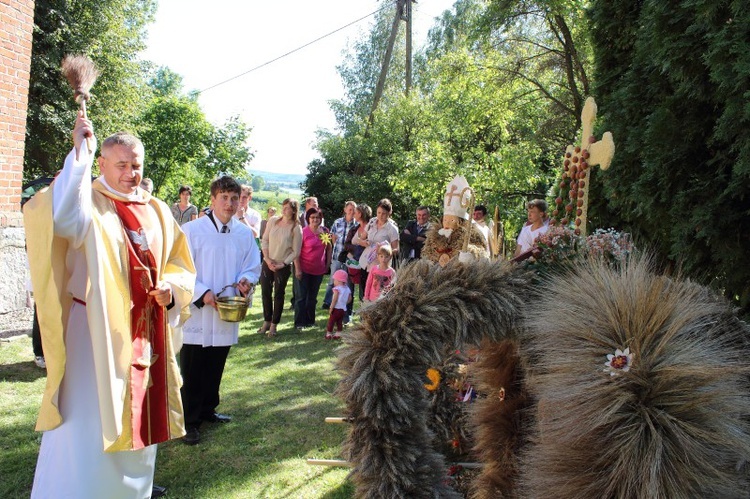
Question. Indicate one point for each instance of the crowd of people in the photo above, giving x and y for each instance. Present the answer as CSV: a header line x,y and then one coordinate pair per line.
x,y
297,244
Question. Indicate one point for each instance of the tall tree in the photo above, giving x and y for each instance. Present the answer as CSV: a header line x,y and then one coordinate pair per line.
x,y
111,33
550,40
227,152
174,132
673,84
182,146
494,101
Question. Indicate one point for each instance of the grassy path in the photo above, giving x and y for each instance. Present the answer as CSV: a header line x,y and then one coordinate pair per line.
x,y
278,392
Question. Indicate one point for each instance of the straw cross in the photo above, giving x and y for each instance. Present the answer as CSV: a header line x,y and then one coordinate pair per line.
x,y
599,153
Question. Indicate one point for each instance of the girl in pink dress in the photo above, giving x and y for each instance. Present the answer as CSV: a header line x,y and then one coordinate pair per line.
x,y
381,276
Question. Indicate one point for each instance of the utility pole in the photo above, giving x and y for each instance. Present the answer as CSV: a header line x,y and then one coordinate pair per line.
x,y
407,15
403,13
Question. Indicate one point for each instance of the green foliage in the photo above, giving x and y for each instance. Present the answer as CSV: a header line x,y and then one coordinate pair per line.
x,y
679,179
112,34
174,131
493,101
182,147
257,183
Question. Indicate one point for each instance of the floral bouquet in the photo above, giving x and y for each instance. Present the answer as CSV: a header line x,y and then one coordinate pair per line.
x,y
610,245
561,247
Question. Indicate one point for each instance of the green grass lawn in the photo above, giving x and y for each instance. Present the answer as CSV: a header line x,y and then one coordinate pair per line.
x,y
278,392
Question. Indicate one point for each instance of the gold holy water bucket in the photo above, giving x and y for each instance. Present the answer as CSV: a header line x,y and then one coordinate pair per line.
x,y
233,308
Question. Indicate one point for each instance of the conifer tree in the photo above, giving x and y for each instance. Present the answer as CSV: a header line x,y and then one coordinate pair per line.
x,y
672,80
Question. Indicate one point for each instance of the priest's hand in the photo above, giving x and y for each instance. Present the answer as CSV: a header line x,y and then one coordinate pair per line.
x,y
83,129
162,294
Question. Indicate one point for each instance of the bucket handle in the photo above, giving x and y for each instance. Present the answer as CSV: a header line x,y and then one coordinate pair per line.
x,y
233,285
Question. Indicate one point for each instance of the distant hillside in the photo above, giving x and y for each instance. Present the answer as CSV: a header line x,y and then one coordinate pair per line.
x,y
291,180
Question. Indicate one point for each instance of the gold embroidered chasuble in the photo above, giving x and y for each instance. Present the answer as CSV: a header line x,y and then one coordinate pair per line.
x,y
108,308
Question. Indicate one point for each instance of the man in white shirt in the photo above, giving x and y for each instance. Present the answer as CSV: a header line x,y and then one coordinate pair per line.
x,y
247,215
536,226
339,230
225,253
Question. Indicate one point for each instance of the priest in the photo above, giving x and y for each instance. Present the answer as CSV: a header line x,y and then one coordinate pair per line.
x,y
113,278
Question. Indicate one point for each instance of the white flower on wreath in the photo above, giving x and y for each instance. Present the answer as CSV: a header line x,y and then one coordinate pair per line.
x,y
618,362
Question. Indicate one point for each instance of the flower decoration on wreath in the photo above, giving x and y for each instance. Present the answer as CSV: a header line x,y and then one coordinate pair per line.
x,y
618,362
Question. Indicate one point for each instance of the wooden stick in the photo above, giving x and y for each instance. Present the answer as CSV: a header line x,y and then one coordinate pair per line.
x,y
471,466
346,464
495,235
330,462
81,73
339,420
470,210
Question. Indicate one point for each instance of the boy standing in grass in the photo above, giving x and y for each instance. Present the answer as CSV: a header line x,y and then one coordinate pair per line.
x,y
225,253
342,295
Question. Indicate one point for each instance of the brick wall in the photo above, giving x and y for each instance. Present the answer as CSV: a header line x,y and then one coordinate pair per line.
x,y
16,27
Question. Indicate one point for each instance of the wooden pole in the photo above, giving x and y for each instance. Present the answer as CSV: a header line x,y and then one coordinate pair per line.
x,y
346,464
407,12
386,60
330,462
470,209
339,420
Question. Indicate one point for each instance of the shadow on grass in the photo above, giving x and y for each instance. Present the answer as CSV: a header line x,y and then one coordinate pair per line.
x,y
307,347
344,491
19,447
21,372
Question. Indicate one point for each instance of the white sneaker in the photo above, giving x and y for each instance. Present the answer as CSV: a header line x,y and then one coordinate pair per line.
x,y
39,361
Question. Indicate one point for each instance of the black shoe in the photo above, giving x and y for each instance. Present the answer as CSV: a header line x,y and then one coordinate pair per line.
x,y
192,437
217,418
158,491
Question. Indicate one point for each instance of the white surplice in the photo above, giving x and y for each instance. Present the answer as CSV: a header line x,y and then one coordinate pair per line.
x,y
220,259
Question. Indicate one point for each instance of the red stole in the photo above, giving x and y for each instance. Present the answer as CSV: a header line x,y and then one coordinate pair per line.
x,y
148,369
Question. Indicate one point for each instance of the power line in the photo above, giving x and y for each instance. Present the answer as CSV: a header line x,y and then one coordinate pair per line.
x,y
294,50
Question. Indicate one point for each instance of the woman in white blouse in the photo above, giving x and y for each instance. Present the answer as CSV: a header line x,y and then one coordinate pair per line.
x,y
281,245
380,229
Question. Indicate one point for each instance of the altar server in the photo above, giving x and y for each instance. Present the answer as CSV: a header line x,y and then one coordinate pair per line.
x,y
225,254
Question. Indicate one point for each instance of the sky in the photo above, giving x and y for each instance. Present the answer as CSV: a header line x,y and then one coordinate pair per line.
x,y
285,102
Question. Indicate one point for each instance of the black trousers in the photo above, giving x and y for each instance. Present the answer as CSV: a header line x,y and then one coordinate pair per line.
x,y
36,336
273,287
202,368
